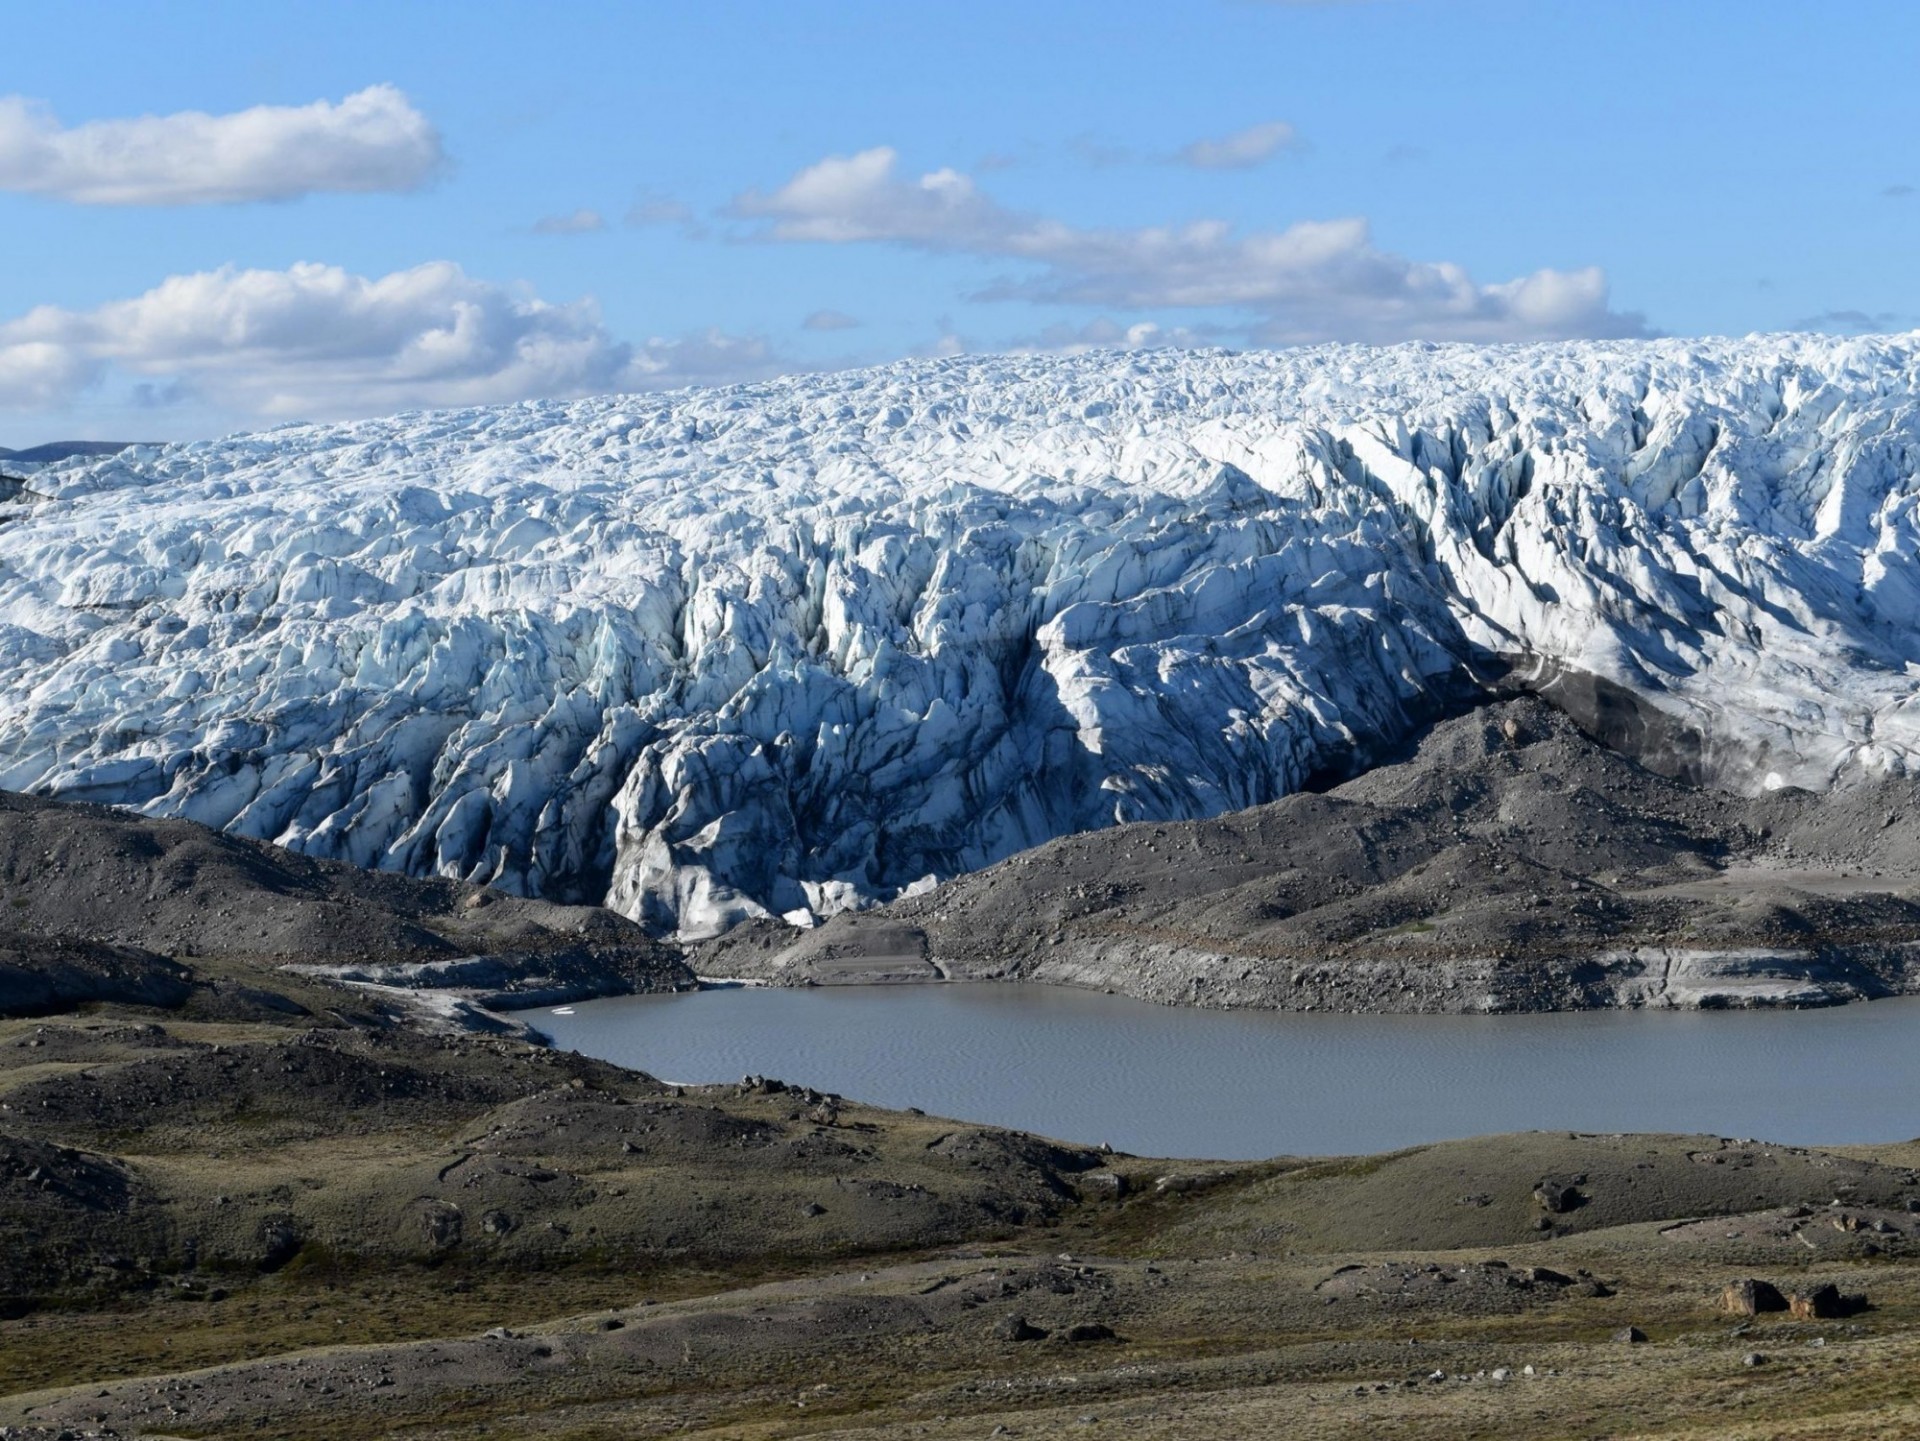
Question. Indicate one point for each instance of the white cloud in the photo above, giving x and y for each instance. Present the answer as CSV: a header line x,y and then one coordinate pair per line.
x,y
315,341
372,140
1105,333
1242,149
41,374
1315,280
581,222
857,197
829,320
704,357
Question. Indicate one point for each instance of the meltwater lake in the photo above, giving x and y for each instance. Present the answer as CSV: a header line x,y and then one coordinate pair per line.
x,y
1234,1085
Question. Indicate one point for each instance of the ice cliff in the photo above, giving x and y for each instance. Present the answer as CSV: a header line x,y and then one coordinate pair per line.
x,y
798,645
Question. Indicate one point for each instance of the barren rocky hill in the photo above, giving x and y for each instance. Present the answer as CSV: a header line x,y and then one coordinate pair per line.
x,y
97,903
1509,861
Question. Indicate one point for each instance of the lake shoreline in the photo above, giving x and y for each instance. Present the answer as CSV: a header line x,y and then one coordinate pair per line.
x,y
1630,978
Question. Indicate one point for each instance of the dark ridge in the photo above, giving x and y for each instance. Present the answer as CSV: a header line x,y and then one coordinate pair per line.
x,y
66,449
1504,859
98,904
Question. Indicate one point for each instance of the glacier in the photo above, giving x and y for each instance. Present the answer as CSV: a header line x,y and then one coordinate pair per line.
x,y
789,648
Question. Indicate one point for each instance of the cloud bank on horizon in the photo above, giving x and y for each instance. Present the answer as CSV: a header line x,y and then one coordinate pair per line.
x,y
1313,281
316,340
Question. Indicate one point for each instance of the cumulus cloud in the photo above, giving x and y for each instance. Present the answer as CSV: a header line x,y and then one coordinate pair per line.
x,y
1243,149
829,320
1315,280
703,357
316,341
1105,333
580,222
372,140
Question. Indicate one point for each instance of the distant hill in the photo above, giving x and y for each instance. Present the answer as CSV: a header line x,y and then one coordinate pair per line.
x,y
63,449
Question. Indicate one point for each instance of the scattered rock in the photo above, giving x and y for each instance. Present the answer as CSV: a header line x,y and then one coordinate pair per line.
x,y
1018,1328
279,1243
1824,1303
1630,1336
1750,1298
1560,1196
1088,1331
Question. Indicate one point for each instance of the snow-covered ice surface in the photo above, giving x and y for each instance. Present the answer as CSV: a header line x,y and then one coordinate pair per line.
x,y
799,645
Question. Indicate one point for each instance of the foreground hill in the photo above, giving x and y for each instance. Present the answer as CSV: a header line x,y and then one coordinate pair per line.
x,y
330,1225
777,649
245,1193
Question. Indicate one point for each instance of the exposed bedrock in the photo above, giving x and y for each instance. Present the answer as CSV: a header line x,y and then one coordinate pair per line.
x,y
1507,862
793,647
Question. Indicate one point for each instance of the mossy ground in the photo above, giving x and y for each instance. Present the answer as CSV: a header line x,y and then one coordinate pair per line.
x,y
760,1261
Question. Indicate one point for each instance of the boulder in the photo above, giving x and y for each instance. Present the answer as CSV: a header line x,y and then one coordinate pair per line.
x,y
1559,1195
1824,1303
1818,1304
1088,1331
1630,1336
442,1222
1750,1298
1017,1328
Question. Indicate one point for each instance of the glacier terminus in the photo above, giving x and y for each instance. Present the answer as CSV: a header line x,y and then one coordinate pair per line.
x,y
794,647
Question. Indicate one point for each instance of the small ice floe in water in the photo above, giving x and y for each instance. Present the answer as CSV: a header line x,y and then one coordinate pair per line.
x,y
563,1010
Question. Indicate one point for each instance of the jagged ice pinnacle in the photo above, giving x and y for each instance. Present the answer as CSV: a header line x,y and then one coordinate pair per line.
x,y
796,646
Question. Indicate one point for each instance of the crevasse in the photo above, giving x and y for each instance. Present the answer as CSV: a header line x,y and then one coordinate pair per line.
x,y
796,646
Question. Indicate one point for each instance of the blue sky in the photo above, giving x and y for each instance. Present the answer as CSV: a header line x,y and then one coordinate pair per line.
x,y
356,225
